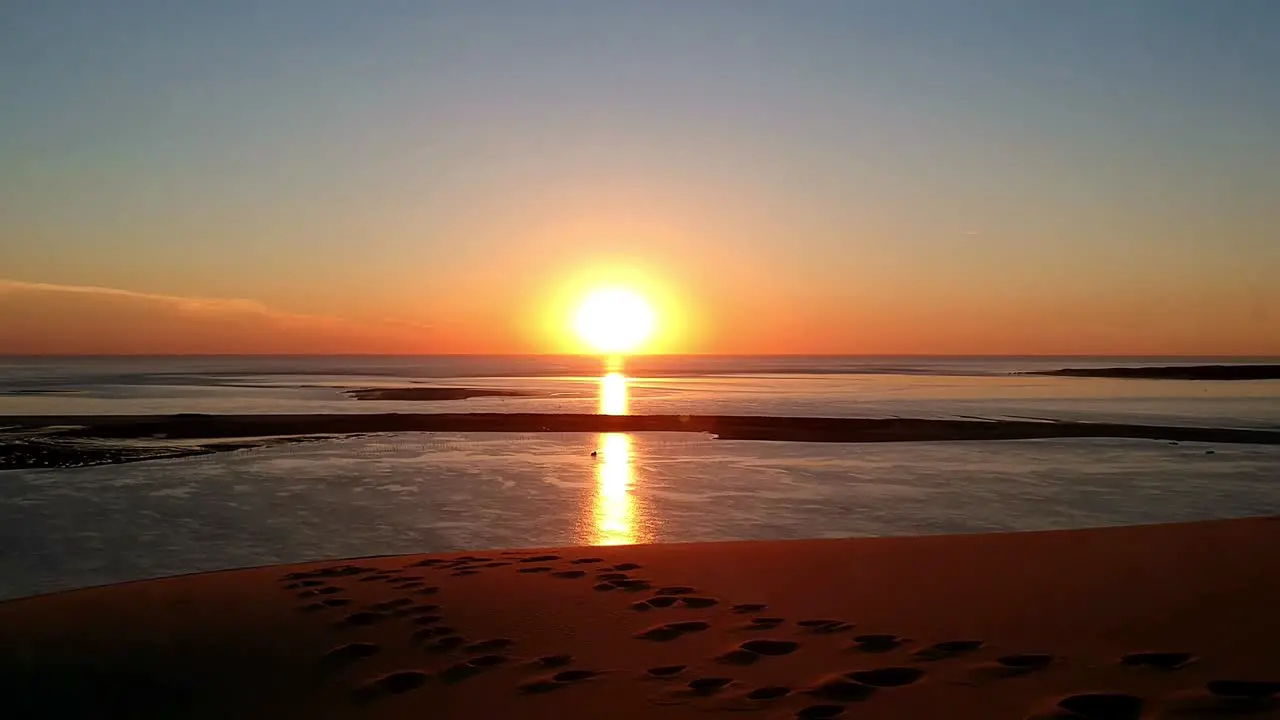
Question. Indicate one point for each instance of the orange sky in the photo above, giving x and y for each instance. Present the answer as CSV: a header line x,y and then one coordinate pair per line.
x,y
861,178
53,319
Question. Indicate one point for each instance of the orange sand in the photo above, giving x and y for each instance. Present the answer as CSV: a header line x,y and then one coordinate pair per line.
x,y
517,635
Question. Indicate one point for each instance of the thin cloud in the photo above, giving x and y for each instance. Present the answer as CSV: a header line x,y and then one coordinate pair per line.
x,y
199,315
195,305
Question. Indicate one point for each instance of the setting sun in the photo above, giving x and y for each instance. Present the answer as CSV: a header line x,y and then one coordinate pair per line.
x,y
614,320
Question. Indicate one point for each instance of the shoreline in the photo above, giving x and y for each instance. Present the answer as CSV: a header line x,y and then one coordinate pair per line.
x,y
76,441
1006,625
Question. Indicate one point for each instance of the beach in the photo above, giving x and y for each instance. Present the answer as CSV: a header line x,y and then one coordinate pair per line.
x,y
1146,621
841,539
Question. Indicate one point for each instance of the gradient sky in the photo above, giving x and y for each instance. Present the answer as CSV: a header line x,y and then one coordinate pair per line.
x,y
1066,176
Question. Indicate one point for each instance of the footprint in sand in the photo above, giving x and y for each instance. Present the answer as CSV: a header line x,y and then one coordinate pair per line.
x,y
427,591
626,567
552,661
427,619
738,656
310,583
877,642
397,682
768,692
386,605
569,574
609,576
1226,698
471,667
538,569
374,578
464,573
1014,665
676,590
427,633
631,585
824,625
586,561
818,712
335,602
666,671
660,601
1158,660
841,688
763,623
696,602
886,677
748,608
559,680
671,631
491,644
540,558
447,643
709,685
345,655
332,571
422,609
948,649
411,584
770,647
1098,706
362,618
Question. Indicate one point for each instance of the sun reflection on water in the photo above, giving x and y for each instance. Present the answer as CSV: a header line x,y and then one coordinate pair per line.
x,y
614,505
614,514
613,394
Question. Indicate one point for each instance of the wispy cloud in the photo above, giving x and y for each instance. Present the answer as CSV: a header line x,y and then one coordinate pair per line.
x,y
254,322
185,304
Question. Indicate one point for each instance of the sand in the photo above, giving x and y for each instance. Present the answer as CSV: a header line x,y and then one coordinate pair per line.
x,y
1154,621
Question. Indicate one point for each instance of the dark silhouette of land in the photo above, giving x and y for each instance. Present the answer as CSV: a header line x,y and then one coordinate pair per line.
x,y
48,441
426,394
1175,372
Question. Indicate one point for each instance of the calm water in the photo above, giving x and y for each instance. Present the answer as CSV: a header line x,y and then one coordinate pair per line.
x,y
432,492
415,493
794,386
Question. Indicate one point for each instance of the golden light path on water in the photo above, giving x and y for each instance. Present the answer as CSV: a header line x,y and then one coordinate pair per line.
x,y
616,518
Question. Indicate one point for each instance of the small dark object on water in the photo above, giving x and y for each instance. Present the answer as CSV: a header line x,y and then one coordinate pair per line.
x,y
594,453
1208,452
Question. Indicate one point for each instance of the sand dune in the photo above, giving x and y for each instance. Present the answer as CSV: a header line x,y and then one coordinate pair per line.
x,y
1142,622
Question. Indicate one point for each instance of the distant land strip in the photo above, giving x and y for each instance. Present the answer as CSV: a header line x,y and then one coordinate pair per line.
x,y
70,441
1174,372
425,394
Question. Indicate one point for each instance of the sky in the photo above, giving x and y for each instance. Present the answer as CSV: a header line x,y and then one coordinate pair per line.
x,y
872,176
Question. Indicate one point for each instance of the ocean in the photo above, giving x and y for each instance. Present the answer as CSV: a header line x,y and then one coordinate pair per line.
x,y
419,492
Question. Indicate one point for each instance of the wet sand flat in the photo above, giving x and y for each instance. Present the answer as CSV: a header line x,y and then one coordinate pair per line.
x,y
1137,622
66,441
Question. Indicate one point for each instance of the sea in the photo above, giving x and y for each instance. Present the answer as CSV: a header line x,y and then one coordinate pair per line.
x,y
375,494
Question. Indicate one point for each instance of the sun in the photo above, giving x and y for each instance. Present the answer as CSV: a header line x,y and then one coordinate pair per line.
x,y
614,320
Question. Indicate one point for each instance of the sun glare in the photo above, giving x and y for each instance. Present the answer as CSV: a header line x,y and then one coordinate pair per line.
x,y
614,320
